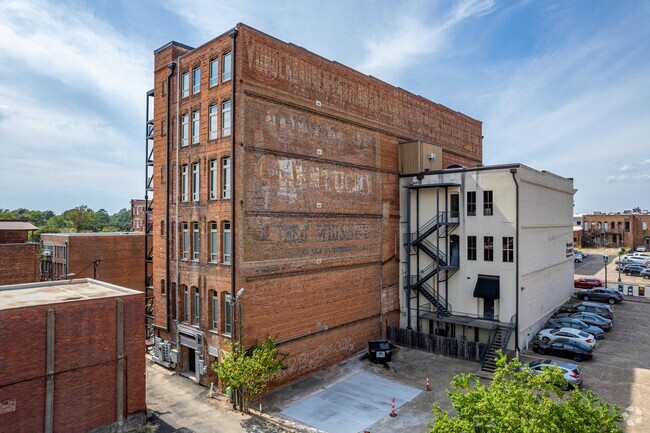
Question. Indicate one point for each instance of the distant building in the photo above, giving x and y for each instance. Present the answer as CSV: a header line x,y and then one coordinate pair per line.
x,y
629,229
19,259
137,215
117,258
72,358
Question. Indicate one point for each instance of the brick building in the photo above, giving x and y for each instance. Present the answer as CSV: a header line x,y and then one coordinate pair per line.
x,y
19,259
137,215
629,229
276,171
73,357
116,258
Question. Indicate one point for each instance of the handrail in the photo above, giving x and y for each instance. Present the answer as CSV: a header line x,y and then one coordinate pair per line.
x,y
439,297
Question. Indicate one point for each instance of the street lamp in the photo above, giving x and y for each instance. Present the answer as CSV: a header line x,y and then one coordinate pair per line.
x,y
620,250
606,260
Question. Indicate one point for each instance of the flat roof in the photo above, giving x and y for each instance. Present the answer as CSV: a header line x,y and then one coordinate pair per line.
x,y
56,292
17,225
95,234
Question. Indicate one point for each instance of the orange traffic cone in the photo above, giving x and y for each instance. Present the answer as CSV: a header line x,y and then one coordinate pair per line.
x,y
392,412
427,388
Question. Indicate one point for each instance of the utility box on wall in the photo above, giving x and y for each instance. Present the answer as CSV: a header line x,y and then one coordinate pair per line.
x,y
418,156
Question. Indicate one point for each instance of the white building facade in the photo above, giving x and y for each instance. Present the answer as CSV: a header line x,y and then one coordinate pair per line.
x,y
486,252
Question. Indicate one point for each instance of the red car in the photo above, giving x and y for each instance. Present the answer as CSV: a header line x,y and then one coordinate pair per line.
x,y
587,283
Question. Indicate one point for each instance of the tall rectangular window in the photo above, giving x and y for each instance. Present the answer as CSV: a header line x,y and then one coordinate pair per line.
x,y
225,178
471,247
184,129
195,182
627,226
487,203
213,179
196,126
196,243
227,315
213,128
225,119
508,249
184,183
215,310
185,242
226,242
214,72
226,68
186,84
197,306
186,304
471,203
196,80
214,233
488,248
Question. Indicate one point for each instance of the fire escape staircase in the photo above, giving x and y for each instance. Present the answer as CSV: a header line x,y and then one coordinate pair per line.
x,y
148,221
498,340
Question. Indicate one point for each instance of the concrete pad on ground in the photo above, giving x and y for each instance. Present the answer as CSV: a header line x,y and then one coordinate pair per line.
x,y
351,405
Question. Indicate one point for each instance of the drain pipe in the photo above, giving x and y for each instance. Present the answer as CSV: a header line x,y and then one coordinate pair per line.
x,y
513,171
233,292
171,67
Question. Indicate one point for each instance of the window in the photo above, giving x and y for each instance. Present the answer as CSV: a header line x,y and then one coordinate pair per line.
x,y
184,129
186,84
185,242
214,252
214,72
227,312
186,304
196,243
173,306
212,123
644,226
213,180
606,225
215,310
488,248
196,125
195,181
184,183
196,80
508,249
225,178
471,203
226,67
586,226
487,203
226,241
627,226
225,119
197,306
599,225
471,247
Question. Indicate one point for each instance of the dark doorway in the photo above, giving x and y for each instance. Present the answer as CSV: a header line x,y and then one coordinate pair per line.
x,y
191,359
488,308
454,205
454,250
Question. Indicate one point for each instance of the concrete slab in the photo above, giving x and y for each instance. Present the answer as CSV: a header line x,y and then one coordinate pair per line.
x,y
351,405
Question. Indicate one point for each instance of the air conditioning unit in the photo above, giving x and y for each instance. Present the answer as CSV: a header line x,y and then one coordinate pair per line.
x,y
162,352
175,356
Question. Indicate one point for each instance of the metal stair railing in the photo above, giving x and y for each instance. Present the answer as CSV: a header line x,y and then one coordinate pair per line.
x,y
438,301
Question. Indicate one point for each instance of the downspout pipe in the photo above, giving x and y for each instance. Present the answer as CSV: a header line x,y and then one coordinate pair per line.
x,y
233,259
172,67
513,171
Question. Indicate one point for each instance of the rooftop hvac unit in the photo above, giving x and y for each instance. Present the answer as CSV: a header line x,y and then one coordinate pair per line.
x,y
162,352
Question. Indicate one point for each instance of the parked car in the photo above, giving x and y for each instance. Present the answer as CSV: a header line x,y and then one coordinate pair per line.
x,y
569,333
577,258
637,260
589,319
584,255
623,262
641,249
572,373
645,273
565,348
634,269
590,307
587,283
568,322
600,294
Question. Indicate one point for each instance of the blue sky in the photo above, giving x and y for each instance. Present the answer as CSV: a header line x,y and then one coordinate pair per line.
x,y
559,86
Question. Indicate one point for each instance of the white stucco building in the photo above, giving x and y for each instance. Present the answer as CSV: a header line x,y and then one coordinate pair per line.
x,y
487,252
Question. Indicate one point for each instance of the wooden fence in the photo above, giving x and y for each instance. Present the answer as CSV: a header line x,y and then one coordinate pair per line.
x,y
446,346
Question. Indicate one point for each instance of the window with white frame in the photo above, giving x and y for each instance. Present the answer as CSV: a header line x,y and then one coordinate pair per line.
x,y
215,310
196,126
214,234
225,178
184,183
185,241
195,182
227,314
213,179
488,204
196,80
196,243
225,119
226,68
185,126
213,122
185,84
197,306
226,242
508,249
214,72
488,248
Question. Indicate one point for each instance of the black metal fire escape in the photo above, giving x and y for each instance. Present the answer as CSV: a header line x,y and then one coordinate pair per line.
x,y
148,222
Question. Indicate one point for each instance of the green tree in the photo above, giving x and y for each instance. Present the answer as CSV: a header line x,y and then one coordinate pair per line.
x,y
249,372
521,401
121,220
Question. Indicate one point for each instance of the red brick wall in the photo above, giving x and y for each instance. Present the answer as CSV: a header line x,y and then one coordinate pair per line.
x,y
13,236
19,263
85,369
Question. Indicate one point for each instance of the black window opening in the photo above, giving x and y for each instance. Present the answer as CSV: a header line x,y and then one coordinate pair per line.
x,y
488,248
471,203
488,205
471,247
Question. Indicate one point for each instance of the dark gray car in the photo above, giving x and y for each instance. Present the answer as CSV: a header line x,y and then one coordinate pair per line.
x,y
601,294
568,322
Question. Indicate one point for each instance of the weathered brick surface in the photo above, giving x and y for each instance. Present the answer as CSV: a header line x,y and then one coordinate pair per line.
x,y
19,263
13,236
